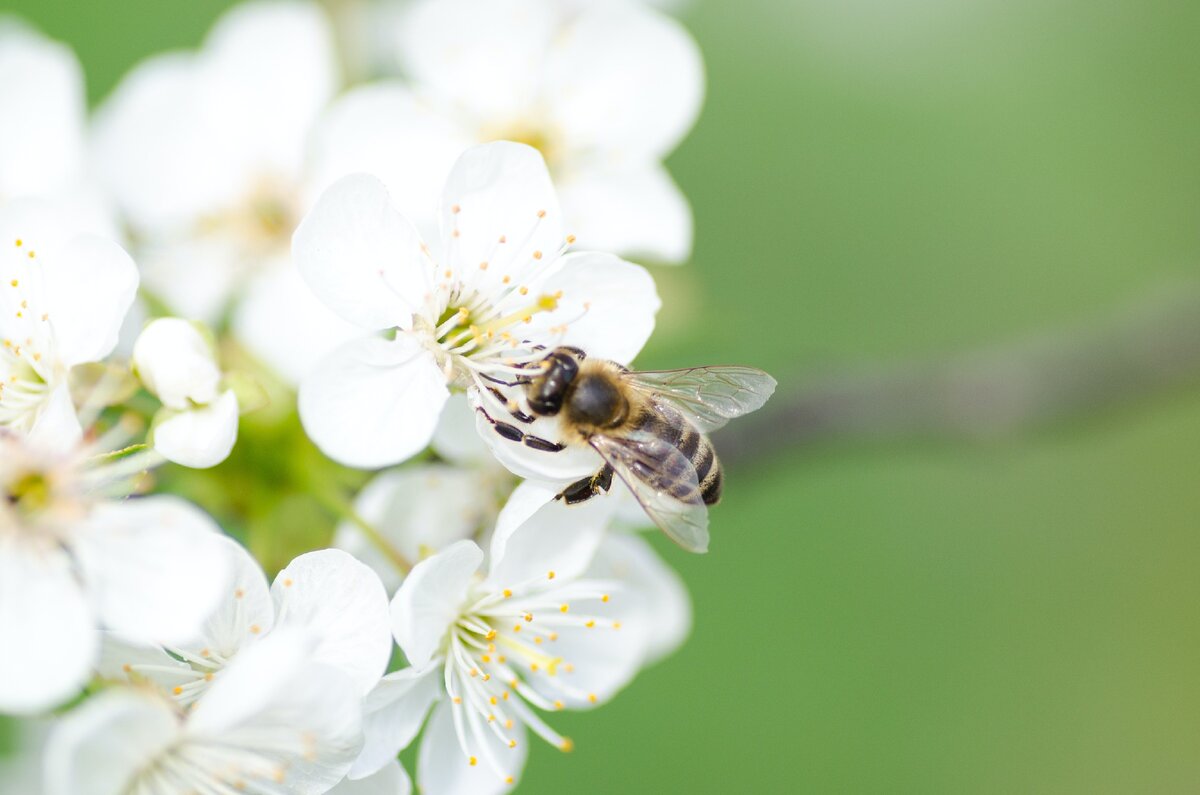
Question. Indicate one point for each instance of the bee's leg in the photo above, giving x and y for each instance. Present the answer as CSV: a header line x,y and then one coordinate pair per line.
x,y
515,434
586,488
510,406
518,381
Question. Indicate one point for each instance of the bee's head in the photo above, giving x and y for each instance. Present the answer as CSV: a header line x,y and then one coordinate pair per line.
x,y
547,391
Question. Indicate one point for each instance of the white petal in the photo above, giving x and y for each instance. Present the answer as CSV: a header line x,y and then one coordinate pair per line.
x,y
456,439
631,560
418,510
624,80
501,190
57,426
100,747
607,304
244,611
282,322
430,598
388,780
176,363
638,212
154,567
269,70
393,713
155,149
385,130
361,257
443,767
123,660
47,626
373,402
89,288
202,437
273,696
342,605
41,140
537,534
561,468
484,56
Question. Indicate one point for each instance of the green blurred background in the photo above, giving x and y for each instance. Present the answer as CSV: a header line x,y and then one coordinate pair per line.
x,y
874,181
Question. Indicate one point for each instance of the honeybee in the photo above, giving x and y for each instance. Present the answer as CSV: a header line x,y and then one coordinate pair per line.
x,y
649,427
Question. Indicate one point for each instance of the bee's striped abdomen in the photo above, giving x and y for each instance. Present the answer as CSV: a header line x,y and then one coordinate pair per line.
x,y
667,424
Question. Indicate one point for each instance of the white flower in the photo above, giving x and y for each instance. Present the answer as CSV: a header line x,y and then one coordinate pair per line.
x,y
532,634
63,296
333,599
199,421
502,285
605,91
205,155
275,722
70,560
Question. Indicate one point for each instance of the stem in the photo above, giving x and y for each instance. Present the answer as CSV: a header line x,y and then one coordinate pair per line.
x,y
1135,356
338,504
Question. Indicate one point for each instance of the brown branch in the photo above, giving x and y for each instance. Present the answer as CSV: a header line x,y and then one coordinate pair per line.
x,y
1139,354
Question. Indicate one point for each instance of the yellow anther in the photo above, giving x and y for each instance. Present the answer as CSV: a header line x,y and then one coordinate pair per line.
x,y
616,625
487,677
503,239
502,659
458,699
569,668
485,658
541,213
491,635
473,761
473,672
239,593
516,627
537,641
255,629
205,652
491,718
504,697
537,255
483,266
590,623
127,668
456,209
550,575
31,254
604,598
592,697
288,583
513,684
529,616
18,242
564,608
512,743
508,780
507,594
492,700
208,677
177,691
558,705
14,283
523,290
533,667
567,745
570,239
553,636
508,724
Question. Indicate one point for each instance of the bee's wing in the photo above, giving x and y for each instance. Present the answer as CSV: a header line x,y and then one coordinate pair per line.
x,y
664,482
709,396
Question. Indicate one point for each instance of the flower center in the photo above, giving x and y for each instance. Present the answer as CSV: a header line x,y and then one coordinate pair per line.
x,y
260,224
501,643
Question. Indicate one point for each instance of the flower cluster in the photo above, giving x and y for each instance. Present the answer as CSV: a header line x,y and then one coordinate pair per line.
x,y
420,269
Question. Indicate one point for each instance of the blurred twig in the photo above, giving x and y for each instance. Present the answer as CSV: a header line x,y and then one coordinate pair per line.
x,y
1139,354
